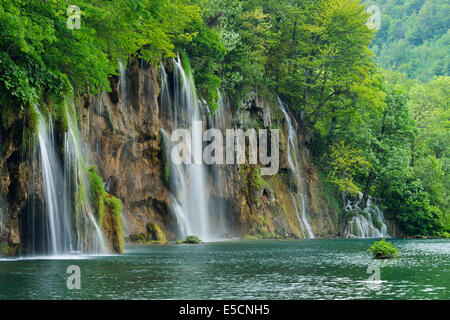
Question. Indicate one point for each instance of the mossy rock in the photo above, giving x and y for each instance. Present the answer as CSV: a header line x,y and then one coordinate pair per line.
x,y
192,240
112,222
249,237
383,250
155,234
4,249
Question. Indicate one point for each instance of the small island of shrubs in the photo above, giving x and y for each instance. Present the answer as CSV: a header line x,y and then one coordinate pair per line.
x,y
192,240
383,250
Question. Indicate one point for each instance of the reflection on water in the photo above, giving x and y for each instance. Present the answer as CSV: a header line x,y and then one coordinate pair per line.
x,y
303,269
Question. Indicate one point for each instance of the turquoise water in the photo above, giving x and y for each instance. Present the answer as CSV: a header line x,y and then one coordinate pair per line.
x,y
303,269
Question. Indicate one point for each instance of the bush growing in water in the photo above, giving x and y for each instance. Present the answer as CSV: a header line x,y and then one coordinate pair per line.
x,y
192,239
383,250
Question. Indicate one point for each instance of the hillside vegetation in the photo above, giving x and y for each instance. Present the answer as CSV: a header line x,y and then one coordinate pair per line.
x,y
376,104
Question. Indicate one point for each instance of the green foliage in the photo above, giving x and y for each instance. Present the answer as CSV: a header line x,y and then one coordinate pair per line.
x,y
4,249
418,217
157,235
345,164
207,52
383,250
40,55
116,207
192,240
166,174
374,131
414,37
97,193
327,57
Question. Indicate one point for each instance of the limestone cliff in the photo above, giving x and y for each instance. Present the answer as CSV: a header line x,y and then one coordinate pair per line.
x,y
122,129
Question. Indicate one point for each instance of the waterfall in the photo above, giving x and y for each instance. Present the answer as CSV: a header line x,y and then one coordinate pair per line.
x,y
366,223
298,197
77,187
177,186
123,82
220,121
58,225
188,181
66,224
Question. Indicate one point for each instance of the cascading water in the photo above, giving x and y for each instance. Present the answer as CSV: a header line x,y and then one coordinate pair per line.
x,y
65,225
188,181
77,187
57,229
220,121
297,197
177,186
123,82
366,223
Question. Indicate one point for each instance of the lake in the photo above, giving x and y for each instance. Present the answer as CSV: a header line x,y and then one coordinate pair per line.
x,y
289,269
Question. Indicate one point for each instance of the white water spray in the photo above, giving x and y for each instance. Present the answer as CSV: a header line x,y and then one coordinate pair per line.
x,y
188,182
366,223
67,224
298,198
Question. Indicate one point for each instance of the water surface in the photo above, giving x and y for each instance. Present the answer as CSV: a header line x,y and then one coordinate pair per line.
x,y
301,269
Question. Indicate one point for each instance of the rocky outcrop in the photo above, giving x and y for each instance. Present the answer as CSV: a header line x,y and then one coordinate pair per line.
x,y
122,134
122,131
264,205
14,182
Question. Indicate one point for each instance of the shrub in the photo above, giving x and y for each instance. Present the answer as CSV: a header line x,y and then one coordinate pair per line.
x,y
192,240
383,250
249,237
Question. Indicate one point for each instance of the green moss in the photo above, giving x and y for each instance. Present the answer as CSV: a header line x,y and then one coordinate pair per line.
x,y
331,195
266,235
61,119
166,173
165,162
444,234
97,193
115,205
253,179
31,123
249,237
157,235
100,199
4,249
257,181
31,118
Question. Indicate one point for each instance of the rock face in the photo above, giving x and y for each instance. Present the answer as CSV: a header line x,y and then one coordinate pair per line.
x,y
14,187
121,130
125,143
123,137
264,206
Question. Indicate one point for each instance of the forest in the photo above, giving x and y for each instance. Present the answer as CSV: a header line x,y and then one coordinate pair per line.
x,y
376,102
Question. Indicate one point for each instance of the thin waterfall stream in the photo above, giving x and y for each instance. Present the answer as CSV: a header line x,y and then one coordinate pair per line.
x,y
298,197
64,224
